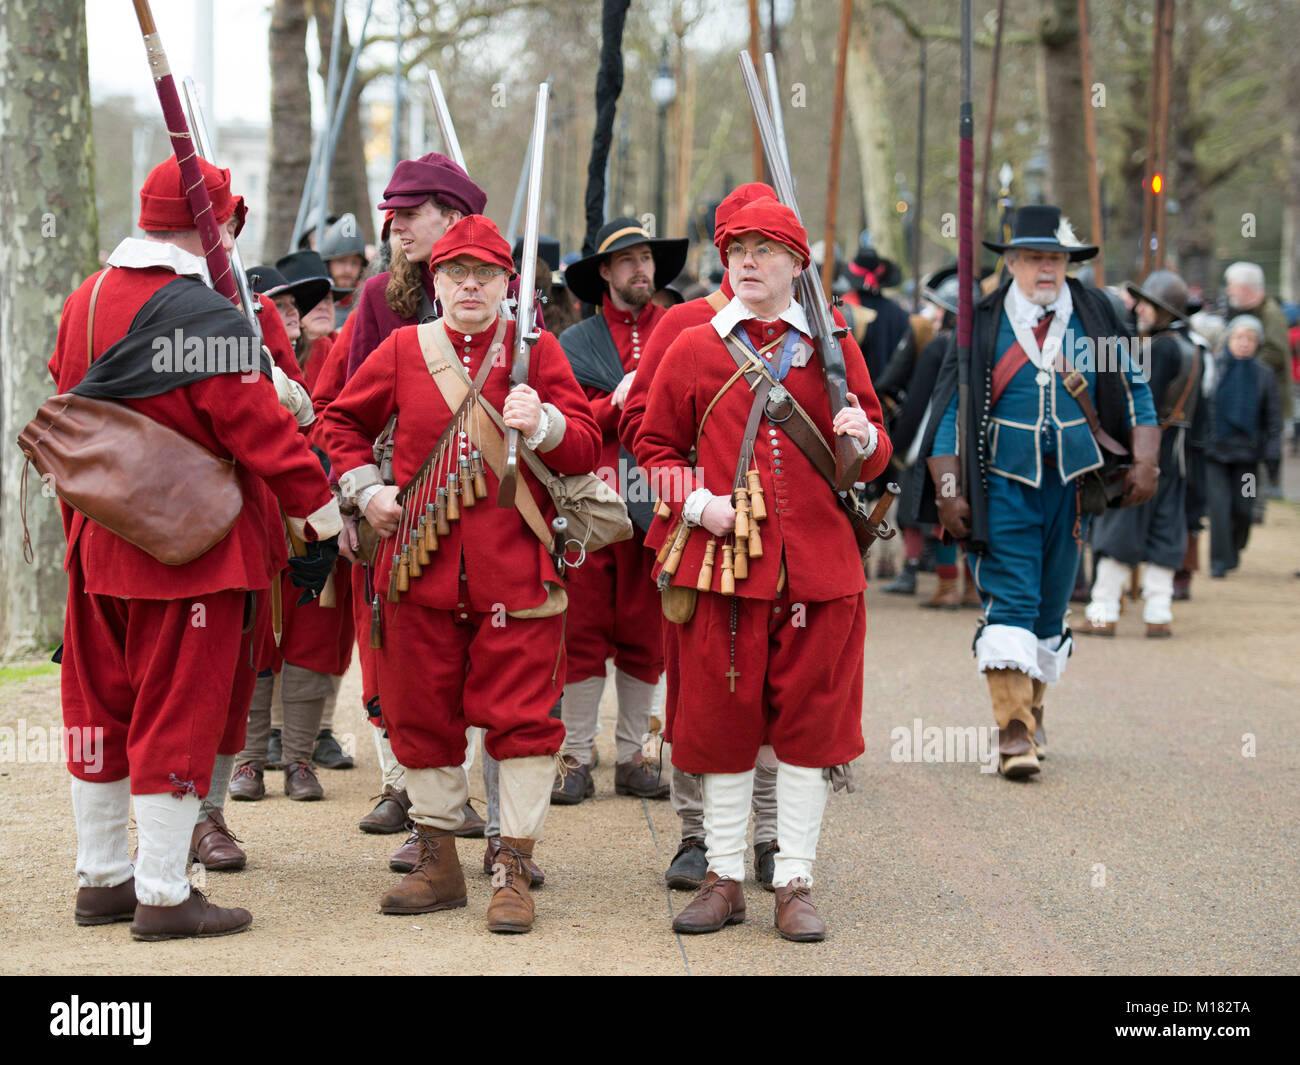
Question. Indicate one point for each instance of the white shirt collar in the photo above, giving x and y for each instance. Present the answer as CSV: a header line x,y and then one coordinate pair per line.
x,y
1025,312
140,254
736,312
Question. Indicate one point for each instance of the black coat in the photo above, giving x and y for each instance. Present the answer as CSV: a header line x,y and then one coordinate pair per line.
x,y
1265,443
1099,322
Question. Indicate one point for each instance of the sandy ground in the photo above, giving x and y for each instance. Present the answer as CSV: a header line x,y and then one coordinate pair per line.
x,y
1149,844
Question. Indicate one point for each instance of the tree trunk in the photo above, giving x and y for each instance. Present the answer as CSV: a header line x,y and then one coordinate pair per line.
x,y
289,147
1290,286
48,243
1192,229
348,190
873,132
1067,157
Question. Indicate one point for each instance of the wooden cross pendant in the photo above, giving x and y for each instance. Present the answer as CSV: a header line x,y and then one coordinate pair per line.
x,y
731,674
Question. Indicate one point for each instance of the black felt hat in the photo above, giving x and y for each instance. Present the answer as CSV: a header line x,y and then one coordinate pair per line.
x,y
308,278
1039,227
583,277
270,282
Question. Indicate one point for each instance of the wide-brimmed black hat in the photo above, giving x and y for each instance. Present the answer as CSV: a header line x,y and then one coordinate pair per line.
x,y
583,277
548,250
307,269
869,263
1039,227
306,292
1163,289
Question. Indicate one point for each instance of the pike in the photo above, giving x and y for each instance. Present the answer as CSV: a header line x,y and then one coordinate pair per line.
x,y
526,331
965,240
826,335
449,139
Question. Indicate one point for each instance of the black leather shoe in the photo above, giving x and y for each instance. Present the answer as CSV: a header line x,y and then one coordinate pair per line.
x,y
765,864
689,866
328,754
573,785
905,582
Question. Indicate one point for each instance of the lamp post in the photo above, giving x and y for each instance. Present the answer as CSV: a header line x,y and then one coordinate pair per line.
x,y
1036,177
663,90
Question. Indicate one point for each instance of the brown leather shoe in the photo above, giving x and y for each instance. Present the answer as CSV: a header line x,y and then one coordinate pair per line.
x,y
247,784
301,784
196,917
946,596
1097,628
435,883
389,814
215,846
640,778
1016,756
490,859
1040,735
405,857
473,826
1159,630
511,908
719,902
104,905
573,783
796,917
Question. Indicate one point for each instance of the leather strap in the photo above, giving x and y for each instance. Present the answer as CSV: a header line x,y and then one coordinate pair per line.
x,y
455,388
1014,359
717,299
1076,384
761,389
90,317
802,430
740,370
1176,415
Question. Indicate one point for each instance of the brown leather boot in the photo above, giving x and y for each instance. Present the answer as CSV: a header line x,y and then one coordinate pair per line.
x,y
301,783
389,814
1159,630
970,594
490,859
215,846
194,918
405,857
719,902
436,882
511,908
1040,736
1016,757
1096,628
946,596
248,785
796,917
104,905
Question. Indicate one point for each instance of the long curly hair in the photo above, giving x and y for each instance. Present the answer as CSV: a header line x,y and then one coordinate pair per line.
x,y
405,282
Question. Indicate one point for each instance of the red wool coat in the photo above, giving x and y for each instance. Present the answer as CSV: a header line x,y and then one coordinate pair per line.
x,y
504,561
230,417
805,524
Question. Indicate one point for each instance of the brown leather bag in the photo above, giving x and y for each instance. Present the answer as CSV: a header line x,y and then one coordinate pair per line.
x,y
140,480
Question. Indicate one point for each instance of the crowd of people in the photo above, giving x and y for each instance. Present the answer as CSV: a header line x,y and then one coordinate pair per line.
x,y
382,519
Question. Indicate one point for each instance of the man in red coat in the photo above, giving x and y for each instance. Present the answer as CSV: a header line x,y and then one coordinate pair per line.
x,y
153,652
473,635
426,197
614,608
689,865
776,636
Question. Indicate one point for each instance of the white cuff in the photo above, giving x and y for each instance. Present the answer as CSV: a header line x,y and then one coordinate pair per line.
x,y
869,448
325,522
693,508
366,495
1053,653
293,397
555,426
354,482
1008,647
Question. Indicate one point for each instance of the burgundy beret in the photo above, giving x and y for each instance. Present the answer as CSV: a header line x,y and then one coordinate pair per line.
x,y
415,180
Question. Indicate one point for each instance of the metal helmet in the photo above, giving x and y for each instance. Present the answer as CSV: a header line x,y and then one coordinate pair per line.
x,y
1163,289
943,289
342,238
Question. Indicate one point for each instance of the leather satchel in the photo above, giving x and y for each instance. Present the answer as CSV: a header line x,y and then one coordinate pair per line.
x,y
139,479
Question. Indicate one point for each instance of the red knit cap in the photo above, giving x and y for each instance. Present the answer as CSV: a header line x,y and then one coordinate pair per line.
x,y
731,203
475,235
164,206
773,220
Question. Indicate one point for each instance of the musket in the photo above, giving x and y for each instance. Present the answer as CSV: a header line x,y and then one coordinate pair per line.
x,y
449,140
774,103
183,146
526,332
251,308
826,334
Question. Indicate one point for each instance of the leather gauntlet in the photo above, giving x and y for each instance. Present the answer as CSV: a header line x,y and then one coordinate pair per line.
x,y
954,510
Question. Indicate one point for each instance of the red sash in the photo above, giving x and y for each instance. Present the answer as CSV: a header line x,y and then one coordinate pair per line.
x,y
1014,358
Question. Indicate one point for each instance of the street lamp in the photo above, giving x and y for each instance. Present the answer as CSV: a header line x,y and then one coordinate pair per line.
x,y
663,90
1036,177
